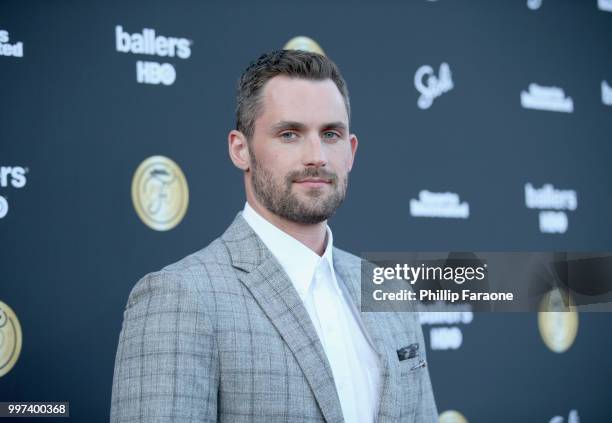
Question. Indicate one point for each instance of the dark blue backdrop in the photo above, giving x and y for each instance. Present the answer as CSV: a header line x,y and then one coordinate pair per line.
x,y
73,114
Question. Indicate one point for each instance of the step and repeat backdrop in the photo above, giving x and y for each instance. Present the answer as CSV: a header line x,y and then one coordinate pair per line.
x,y
483,126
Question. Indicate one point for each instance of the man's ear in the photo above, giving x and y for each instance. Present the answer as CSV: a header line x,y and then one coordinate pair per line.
x,y
239,150
354,143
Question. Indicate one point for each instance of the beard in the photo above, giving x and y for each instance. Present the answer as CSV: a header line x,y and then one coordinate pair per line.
x,y
278,198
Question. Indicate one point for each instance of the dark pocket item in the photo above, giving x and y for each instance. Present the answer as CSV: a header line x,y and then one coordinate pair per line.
x,y
409,351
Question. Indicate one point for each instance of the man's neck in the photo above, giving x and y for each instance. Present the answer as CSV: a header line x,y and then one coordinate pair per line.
x,y
314,236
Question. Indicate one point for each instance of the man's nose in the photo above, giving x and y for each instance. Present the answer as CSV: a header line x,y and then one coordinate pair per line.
x,y
314,154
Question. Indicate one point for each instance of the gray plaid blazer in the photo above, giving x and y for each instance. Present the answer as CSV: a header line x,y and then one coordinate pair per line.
x,y
222,335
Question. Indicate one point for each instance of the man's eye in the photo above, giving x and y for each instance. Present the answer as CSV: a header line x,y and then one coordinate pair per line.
x,y
288,135
330,135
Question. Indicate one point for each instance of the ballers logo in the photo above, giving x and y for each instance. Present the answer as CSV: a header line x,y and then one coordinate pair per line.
x,y
13,177
449,335
554,220
304,44
147,42
557,321
10,339
160,193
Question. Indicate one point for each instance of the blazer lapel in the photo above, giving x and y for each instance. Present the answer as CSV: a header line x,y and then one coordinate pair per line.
x,y
272,289
388,402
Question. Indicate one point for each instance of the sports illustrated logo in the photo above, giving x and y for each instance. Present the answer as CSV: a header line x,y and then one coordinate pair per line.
x,y
10,339
160,194
571,418
7,49
557,321
149,43
452,416
605,5
606,93
547,198
305,44
439,204
431,86
534,4
11,177
546,98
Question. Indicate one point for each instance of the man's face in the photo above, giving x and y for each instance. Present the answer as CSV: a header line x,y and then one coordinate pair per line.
x,y
301,150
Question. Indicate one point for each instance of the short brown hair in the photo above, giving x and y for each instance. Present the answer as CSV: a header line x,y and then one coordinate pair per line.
x,y
292,63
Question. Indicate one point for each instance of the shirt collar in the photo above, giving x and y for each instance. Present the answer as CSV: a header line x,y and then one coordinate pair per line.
x,y
298,261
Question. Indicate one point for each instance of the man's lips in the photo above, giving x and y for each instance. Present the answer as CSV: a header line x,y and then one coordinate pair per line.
x,y
313,182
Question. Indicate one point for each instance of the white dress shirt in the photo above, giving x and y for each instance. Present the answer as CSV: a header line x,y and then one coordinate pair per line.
x,y
353,361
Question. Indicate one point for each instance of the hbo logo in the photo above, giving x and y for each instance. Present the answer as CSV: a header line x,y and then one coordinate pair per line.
x,y
445,338
155,73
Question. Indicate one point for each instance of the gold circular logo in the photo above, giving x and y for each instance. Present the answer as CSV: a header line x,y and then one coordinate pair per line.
x,y
160,193
304,44
557,321
10,339
452,416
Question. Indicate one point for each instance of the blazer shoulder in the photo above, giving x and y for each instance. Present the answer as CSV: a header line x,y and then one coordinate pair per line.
x,y
198,273
214,254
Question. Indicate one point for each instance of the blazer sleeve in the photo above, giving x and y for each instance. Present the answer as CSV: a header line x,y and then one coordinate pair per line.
x,y
167,362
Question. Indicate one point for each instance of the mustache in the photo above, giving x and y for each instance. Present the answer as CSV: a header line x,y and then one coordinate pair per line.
x,y
312,173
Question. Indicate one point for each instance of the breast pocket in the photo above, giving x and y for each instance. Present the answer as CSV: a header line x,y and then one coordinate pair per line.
x,y
412,373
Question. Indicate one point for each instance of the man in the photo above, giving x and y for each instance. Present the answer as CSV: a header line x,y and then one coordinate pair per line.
x,y
264,324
